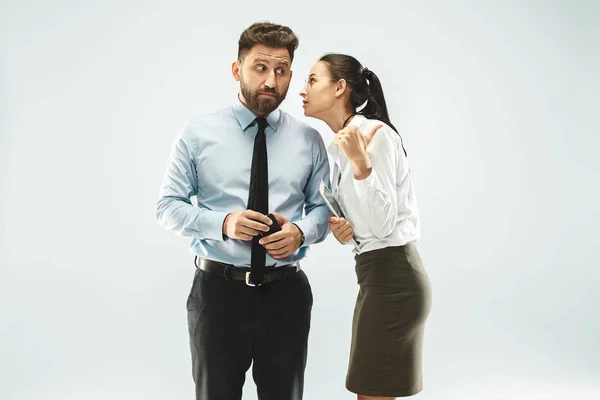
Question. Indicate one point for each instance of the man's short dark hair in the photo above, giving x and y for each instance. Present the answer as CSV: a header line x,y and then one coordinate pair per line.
x,y
272,35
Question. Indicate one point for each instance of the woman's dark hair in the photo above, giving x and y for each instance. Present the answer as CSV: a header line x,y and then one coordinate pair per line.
x,y
364,86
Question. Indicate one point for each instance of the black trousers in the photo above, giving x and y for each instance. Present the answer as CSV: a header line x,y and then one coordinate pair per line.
x,y
232,325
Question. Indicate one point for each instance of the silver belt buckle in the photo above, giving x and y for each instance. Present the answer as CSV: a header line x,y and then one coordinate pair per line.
x,y
248,280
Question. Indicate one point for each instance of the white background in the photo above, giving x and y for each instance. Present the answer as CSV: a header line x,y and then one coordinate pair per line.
x,y
498,106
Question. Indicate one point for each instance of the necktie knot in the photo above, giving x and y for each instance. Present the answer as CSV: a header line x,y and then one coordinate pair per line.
x,y
262,123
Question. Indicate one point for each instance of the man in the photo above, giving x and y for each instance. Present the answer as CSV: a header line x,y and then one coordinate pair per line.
x,y
250,302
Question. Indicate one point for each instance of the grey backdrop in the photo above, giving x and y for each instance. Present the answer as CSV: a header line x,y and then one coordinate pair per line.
x,y
498,106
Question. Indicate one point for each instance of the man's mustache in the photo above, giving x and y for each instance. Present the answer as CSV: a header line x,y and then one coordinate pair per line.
x,y
267,91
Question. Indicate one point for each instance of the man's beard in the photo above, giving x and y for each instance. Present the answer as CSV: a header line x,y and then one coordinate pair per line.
x,y
261,104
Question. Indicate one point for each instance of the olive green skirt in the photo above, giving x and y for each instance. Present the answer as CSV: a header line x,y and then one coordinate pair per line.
x,y
393,304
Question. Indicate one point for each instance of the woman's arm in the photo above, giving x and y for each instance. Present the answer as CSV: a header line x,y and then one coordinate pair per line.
x,y
376,186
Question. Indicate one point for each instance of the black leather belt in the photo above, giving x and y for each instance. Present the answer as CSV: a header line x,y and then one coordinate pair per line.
x,y
230,272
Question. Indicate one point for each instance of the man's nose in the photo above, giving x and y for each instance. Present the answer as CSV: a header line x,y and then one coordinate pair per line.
x,y
271,82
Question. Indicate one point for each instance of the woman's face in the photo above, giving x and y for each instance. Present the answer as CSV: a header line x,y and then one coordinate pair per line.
x,y
319,93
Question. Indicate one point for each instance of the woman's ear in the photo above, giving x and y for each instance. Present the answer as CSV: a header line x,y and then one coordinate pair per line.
x,y
341,88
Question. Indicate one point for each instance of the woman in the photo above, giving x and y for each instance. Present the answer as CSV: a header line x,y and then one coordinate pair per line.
x,y
374,188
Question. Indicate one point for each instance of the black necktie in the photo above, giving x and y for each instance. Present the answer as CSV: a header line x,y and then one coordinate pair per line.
x,y
258,198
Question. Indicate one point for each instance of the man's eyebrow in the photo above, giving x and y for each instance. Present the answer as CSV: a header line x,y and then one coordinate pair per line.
x,y
262,59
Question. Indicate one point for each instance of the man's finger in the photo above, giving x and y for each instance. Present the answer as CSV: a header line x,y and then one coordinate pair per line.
x,y
281,220
257,226
275,246
247,231
256,216
243,236
284,252
272,238
279,253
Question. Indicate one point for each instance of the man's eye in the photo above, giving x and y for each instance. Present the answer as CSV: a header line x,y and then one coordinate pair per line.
x,y
260,67
281,71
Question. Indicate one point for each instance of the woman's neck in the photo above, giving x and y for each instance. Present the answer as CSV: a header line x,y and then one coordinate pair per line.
x,y
338,119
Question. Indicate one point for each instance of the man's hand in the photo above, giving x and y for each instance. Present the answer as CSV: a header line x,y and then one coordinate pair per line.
x,y
285,242
245,224
340,228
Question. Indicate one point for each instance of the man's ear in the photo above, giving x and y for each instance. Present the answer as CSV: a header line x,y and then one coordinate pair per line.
x,y
236,67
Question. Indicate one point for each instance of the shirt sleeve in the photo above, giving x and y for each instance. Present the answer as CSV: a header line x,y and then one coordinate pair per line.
x,y
377,192
174,210
314,224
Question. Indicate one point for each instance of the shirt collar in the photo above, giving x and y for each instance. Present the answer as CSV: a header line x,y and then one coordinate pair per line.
x,y
357,120
246,117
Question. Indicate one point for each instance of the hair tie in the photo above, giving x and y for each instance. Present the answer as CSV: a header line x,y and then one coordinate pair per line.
x,y
367,73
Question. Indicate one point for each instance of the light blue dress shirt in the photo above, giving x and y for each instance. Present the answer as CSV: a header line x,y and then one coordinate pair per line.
x,y
211,161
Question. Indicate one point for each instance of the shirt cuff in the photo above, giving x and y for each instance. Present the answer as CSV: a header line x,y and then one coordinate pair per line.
x,y
211,225
364,187
310,231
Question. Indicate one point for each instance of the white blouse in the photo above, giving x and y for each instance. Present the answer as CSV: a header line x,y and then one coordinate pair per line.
x,y
382,208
